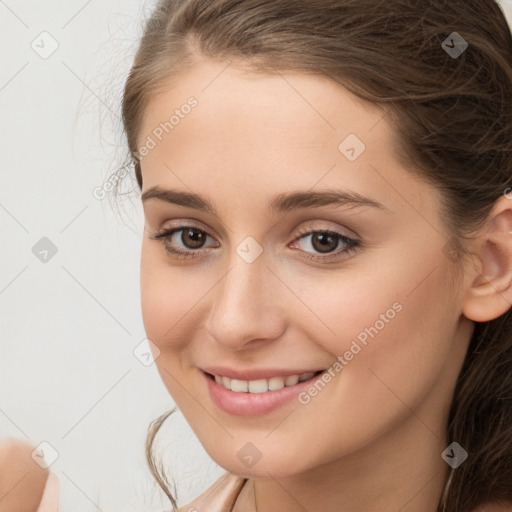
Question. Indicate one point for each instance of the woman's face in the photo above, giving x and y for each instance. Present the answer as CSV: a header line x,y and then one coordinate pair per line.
x,y
259,291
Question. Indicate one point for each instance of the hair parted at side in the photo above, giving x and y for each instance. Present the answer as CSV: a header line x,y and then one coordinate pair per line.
x,y
453,118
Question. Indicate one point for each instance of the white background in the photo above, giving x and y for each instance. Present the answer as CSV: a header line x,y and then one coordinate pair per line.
x,y
68,375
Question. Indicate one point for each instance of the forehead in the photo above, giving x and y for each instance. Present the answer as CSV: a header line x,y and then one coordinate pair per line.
x,y
251,134
236,97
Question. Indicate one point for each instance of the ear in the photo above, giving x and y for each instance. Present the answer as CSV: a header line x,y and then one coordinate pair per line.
x,y
490,293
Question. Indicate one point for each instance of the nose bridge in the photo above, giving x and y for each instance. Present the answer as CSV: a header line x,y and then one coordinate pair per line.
x,y
245,300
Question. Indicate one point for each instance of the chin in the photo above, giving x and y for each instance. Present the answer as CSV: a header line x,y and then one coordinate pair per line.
x,y
278,465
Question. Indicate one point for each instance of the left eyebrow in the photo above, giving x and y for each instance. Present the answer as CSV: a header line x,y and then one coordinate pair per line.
x,y
296,200
280,203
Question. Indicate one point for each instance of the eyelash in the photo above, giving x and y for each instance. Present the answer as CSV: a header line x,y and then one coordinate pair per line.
x,y
352,246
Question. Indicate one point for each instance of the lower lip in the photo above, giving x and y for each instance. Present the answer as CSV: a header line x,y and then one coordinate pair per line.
x,y
254,404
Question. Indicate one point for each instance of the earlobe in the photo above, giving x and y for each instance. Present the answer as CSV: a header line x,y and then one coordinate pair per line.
x,y
490,292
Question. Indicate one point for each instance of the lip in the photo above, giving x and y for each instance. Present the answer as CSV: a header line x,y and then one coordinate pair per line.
x,y
253,404
256,373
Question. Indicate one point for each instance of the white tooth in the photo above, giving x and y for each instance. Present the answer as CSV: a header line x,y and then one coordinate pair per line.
x,y
239,385
275,383
258,386
291,380
262,385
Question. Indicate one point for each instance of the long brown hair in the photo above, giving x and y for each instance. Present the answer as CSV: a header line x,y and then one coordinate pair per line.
x,y
453,115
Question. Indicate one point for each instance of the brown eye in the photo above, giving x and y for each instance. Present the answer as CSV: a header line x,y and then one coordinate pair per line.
x,y
193,238
188,245
324,242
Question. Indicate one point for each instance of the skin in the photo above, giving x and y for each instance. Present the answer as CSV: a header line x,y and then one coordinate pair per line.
x,y
50,498
22,480
372,439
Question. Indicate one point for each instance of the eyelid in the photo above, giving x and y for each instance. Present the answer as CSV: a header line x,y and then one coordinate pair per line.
x,y
325,225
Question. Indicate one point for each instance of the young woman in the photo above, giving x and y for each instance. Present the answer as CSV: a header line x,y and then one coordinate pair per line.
x,y
326,267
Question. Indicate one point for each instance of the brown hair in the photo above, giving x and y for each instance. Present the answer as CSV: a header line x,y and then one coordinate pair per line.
x,y
453,116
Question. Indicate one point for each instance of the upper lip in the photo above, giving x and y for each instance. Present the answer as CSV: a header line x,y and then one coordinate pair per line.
x,y
256,373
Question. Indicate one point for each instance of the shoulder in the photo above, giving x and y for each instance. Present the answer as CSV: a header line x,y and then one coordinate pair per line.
x,y
218,497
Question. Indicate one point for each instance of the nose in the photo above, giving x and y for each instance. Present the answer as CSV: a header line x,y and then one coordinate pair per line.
x,y
246,305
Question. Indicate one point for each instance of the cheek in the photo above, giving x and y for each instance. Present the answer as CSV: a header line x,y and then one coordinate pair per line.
x,y
396,317
391,340
173,298
345,307
169,297
163,296
394,346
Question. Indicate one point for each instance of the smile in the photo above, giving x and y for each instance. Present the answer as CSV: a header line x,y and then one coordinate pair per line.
x,y
238,400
